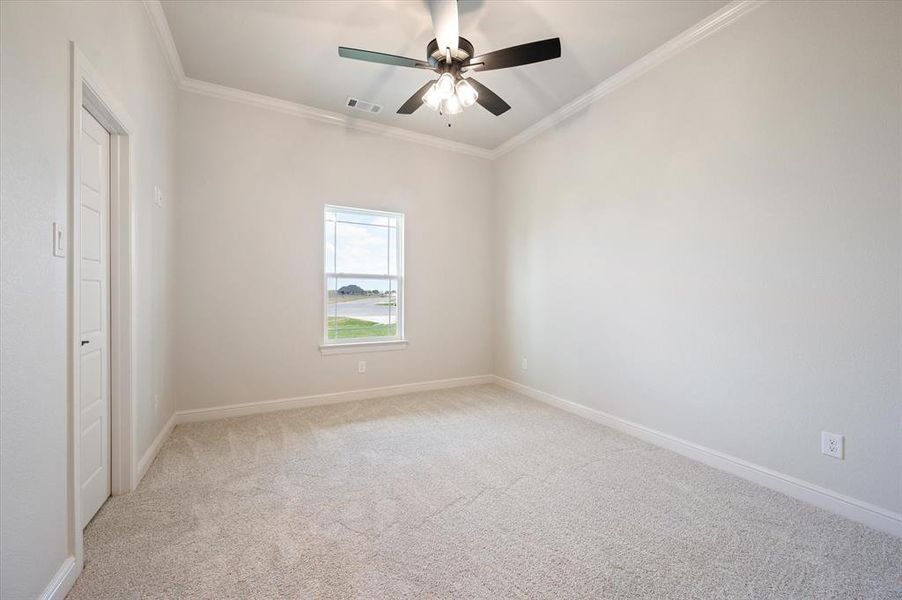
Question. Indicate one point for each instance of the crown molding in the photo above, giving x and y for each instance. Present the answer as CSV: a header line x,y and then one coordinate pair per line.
x,y
164,37
214,90
170,52
714,22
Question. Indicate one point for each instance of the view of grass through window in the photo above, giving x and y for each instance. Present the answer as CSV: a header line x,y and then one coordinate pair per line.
x,y
362,270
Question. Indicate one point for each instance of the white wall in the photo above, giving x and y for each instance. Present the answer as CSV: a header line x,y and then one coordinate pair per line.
x,y
253,183
713,250
118,40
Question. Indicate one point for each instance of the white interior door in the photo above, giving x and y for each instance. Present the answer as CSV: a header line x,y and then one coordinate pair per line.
x,y
93,255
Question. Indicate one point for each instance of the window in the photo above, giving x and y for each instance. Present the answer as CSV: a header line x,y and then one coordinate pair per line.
x,y
364,276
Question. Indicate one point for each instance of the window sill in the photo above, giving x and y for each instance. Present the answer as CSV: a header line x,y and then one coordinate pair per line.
x,y
354,347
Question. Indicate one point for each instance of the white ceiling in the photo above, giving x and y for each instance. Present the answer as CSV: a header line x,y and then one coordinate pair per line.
x,y
289,50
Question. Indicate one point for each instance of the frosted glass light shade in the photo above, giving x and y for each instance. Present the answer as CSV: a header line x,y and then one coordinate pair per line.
x,y
431,98
451,106
445,86
466,93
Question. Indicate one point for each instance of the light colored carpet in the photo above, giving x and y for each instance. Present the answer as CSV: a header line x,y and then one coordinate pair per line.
x,y
465,493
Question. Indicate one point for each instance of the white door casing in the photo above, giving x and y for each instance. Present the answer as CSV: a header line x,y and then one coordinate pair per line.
x,y
93,255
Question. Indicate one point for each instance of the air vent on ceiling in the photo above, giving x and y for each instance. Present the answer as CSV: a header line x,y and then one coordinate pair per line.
x,y
363,105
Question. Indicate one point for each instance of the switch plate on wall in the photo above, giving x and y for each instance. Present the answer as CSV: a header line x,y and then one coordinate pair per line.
x,y
832,444
59,240
523,363
157,196
361,366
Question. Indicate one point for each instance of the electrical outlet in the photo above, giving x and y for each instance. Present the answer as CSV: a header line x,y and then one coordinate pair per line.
x,y
523,364
832,444
361,366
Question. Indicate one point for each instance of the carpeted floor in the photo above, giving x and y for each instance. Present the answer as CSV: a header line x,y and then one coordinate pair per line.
x,y
464,493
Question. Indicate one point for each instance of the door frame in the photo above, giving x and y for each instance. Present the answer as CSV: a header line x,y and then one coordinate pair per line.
x,y
89,91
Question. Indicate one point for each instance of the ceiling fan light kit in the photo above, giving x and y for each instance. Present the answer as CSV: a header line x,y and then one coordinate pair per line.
x,y
451,106
452,92
448,97
431,98
444,87
466,93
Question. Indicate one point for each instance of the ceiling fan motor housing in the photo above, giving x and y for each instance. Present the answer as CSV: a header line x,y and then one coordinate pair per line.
x,y
436,56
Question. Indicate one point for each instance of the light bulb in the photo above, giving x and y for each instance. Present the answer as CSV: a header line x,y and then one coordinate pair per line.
x,y
445,86
431,98
466,93
451,106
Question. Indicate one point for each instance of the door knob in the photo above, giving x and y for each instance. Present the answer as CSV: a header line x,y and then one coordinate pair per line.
x,y
83,342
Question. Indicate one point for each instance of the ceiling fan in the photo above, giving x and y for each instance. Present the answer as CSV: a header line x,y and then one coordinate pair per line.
x,y
451,56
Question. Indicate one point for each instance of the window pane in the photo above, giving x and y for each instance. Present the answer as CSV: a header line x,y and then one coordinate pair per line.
x,y
362,248
362,308
362,218
392,251
329,237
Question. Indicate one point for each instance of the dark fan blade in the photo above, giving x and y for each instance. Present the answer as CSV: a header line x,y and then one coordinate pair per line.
x,y
445,23
491,101
517,55
382,58
415,101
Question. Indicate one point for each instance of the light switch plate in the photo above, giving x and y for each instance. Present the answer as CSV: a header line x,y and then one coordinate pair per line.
x,y
157,196
59,240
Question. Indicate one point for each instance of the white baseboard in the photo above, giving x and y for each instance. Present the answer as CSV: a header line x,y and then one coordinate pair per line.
x,y
62,581
851,508
252,408
154,448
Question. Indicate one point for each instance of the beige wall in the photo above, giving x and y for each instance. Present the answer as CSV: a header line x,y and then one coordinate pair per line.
x,y
118,40
713,250
252,184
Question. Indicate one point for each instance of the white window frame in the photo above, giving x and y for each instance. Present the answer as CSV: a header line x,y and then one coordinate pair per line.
x,y
344,345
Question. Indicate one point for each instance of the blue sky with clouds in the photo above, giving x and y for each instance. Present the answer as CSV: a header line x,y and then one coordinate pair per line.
x,y
365,244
